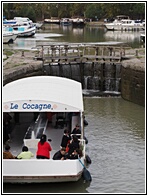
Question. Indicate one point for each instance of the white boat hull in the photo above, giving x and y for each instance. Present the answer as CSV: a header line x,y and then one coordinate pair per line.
x,y
9,37
26,33
122,27
22,31
41,171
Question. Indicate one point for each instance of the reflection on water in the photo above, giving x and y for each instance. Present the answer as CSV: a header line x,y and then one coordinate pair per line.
x,y
57,33
116,146
68,187
126,36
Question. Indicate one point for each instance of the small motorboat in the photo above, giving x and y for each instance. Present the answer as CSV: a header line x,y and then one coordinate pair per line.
x,y
24,30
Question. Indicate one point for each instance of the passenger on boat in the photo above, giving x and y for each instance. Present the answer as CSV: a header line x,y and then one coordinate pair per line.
x,y
60,155
74,144
65,139
25,154
76,131
7,125
75,155
44,148
7,154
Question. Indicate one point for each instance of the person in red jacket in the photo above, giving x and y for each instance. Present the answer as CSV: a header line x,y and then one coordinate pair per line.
x,y
44,148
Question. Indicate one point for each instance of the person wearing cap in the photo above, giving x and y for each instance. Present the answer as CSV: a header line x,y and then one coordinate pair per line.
x,y
44,148
7,154
60,155
25,154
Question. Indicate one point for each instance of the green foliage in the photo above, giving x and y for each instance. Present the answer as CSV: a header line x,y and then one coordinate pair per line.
x,y
40,11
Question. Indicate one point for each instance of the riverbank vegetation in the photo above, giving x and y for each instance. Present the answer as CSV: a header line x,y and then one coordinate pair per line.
x,y
94,11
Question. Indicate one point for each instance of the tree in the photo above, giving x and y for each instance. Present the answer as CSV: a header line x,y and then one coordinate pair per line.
x,y
94,11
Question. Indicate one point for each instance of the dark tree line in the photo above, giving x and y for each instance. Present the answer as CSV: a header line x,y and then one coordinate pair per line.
x,y
95,11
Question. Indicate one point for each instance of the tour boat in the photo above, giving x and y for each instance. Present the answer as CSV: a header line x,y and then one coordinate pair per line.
x,y
53,103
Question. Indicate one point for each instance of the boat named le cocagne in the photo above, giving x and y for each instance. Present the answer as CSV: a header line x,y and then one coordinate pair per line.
x,y
44,95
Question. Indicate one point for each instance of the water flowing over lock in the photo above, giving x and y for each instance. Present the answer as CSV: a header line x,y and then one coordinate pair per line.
x,y
99,77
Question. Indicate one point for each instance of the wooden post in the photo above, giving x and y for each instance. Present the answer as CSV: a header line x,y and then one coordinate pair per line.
x,y
23,53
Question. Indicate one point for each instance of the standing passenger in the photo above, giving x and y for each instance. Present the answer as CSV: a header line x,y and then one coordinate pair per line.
x,y
77,131
44,148
65,139
73,145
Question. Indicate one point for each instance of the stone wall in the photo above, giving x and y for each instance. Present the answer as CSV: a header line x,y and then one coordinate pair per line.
x,y
133,81
132,74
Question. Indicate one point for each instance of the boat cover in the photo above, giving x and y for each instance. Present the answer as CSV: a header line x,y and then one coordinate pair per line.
x,y
43,93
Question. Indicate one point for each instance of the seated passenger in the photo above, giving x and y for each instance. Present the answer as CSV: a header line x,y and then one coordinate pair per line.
x,y
7,154
60,155
77,153
74,155
65,139
25,154
44,148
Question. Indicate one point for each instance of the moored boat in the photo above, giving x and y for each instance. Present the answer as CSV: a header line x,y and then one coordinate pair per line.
x,y
53,100
8,37
24,30
66,21
16,21
78,22
124,24
52,20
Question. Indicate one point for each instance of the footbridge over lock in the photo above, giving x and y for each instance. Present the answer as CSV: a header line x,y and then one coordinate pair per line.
x,y
96,65
69,53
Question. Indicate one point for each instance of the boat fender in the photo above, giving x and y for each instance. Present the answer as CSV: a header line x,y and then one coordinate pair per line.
x,y
86,140
85,123
86,175
88,159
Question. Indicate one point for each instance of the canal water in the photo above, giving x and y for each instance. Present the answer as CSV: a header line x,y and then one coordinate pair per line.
x,y
116,146
60,34
116,129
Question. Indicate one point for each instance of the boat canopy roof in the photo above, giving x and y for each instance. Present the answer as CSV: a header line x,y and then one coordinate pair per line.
x,y
43,93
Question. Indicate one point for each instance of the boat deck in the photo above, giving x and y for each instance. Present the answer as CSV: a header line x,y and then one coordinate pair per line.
x,y
19,131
